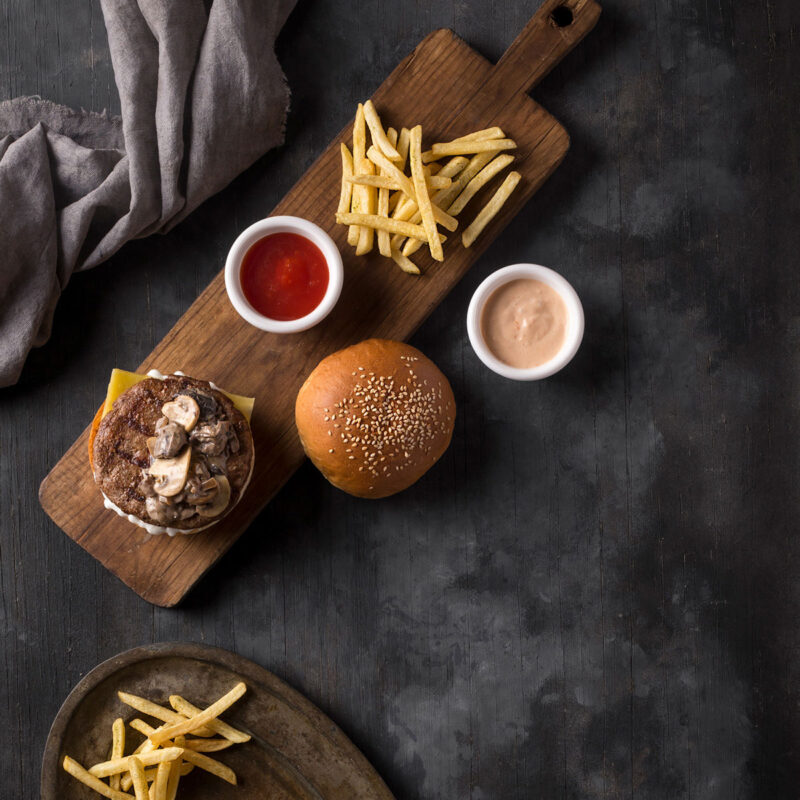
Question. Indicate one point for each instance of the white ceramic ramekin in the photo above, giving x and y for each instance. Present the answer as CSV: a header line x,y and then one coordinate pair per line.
x,y
574,333
258,230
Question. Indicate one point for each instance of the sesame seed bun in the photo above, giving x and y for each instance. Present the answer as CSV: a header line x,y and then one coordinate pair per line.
x,y
375,417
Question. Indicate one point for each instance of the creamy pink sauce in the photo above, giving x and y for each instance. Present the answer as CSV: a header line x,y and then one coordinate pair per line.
x,y
524,323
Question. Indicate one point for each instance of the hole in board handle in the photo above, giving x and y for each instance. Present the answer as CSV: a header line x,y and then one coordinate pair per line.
x,y
561,17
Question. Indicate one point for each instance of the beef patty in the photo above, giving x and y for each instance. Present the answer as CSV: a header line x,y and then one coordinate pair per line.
x,y
121,454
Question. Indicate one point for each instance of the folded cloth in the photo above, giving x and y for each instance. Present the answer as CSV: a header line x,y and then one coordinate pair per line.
x,y
202,97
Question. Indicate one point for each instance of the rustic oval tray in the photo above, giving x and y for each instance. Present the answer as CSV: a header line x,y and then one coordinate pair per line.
x,y
295,752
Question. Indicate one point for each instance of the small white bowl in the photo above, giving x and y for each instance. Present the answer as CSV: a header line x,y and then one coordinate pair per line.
x,y
265,227
575,322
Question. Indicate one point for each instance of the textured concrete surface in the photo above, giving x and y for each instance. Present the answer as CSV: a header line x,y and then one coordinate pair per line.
x,y
594,595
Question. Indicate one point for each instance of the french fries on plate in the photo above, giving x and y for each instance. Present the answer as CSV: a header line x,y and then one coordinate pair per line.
x,y
154,768
395,191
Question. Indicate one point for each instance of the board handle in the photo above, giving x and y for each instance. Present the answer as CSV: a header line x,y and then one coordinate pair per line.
x,y
552,32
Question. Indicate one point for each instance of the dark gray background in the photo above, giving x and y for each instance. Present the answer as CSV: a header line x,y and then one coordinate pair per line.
x,y
593,595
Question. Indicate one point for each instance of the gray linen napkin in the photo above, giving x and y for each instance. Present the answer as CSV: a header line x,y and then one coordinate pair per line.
x,y
202,97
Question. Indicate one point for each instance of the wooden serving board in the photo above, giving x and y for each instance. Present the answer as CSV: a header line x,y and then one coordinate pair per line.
x,y
450,90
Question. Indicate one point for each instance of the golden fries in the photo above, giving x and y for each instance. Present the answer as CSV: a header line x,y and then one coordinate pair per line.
x,y
117,746
402,147
157,711
378,134
489,211
359,154
404,204
198,721
172,783
86,778
346,196
384,182
211,765
420,187
106,768
384,223
467,146
487,133
405,264
495,166
368,203
137,775
384,246
159,787
216,725
154,769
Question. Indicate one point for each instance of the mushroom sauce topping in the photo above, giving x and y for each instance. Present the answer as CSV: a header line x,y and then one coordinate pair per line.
x,y
187,474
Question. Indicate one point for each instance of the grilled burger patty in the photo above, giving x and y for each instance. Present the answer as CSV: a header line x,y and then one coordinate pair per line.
x,y
121,453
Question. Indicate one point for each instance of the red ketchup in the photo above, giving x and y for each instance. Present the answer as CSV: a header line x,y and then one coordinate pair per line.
x,y
284,276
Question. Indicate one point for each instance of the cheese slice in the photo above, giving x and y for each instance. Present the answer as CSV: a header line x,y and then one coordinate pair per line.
x,y
121,381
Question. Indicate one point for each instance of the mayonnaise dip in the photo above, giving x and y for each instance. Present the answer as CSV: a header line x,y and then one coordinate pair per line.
x,y
524,323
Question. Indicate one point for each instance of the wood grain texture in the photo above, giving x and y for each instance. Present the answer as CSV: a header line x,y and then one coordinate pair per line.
x,y
450,90
594,594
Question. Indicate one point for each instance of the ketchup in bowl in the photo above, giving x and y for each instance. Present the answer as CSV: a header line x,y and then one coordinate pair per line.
x,y
284,276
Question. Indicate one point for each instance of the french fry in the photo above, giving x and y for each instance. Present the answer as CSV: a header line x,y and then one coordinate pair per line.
x,y
216,725
198,745
150,773
208,745
489,211
445,197
462,147
210,765
405,264
495,166
159,712
378,134
421,190
137,775
405,209
402,147
359,153
384,223
106,768
172,783
117,747
205,716
454,168
142,727
384,246
159,787
369,202
394,199
384,182
145,747
486,133
346,196
380,160
87,779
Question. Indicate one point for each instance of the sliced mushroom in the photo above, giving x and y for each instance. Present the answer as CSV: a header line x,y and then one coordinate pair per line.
x,y
183,410
170,439
199,493
171,473
220,501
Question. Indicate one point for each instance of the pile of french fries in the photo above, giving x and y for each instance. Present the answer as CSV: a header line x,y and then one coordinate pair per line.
x,y
405,209
156,766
